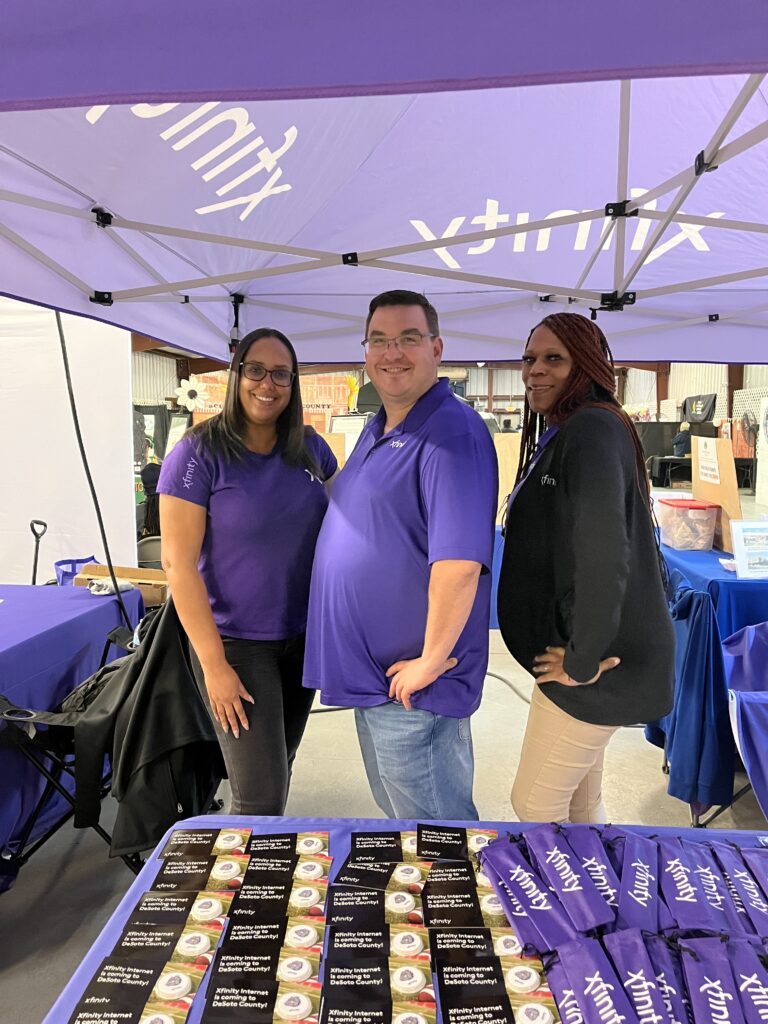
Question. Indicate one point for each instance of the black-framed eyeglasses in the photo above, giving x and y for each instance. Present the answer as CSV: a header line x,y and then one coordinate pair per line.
x,y
410,339
255,371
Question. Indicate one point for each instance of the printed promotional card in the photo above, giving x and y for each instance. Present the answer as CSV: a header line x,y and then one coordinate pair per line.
x,y
445,842
193,844
310,869
240,997
308,900
133,991
269,893
406,941
448,908
459,945
155,928
299,967
378,992
287,844
473,992
403,877
177,875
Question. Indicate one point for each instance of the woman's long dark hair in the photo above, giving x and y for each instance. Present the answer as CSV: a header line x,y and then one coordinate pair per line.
x,y
591,383
223,433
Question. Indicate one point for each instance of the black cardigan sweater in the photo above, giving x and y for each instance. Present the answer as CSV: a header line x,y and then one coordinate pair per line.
x,y
580,570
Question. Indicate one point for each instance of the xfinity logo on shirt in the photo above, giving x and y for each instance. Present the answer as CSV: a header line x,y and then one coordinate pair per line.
x,y
397,444
312,478
548,481
188,477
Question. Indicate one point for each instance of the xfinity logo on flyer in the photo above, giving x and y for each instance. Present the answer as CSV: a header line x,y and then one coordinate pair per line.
x,y
679,872
641,892
718,999
492,219
597,873
599,992
195,125
640,988
560,862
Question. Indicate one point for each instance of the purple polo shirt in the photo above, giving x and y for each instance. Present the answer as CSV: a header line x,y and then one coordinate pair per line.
x,y
424,492
263,520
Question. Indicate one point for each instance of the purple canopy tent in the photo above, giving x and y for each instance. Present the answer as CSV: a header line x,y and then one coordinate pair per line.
x,y
159,164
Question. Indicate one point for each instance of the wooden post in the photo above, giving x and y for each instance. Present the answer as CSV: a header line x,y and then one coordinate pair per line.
x,y
662,385
621,383
735,383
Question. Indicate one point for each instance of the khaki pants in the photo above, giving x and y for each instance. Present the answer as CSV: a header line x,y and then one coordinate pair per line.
x,y
560,774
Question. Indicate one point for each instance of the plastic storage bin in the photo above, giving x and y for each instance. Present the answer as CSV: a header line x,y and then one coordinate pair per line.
x,y
687,524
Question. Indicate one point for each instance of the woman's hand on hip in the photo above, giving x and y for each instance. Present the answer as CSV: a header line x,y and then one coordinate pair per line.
x,y
226,694
548,668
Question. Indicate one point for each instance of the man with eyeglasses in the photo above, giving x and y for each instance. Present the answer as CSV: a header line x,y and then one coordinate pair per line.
x,y
399,600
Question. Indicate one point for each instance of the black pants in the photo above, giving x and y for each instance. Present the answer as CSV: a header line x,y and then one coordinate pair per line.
x,y
259,762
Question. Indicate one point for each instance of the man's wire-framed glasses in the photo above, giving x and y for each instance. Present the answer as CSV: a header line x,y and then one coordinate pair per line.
x,y
255,371
409,339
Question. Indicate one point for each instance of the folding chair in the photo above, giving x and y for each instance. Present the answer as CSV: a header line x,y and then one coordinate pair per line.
x,y
50,751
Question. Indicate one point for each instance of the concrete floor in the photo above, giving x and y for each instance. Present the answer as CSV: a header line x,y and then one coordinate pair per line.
x,y
67,892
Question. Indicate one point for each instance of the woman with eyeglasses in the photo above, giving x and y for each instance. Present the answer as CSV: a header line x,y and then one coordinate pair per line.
x,y
242,500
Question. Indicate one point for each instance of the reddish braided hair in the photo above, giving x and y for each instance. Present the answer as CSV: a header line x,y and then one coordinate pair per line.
x,y
591,383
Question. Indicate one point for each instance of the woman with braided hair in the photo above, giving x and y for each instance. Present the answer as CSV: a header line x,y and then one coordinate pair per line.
x,y
581,597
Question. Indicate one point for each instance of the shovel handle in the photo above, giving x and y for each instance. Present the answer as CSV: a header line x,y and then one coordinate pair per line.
x,y
38,528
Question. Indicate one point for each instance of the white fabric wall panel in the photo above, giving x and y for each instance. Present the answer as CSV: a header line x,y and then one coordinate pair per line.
x,y
687,379
755,377
641,388
153,378
43,476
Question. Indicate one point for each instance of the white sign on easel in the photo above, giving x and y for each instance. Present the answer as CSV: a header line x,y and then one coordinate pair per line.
x,y
761,489
709,470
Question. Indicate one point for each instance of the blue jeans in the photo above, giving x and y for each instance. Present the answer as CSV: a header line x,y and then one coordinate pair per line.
x,y
419,765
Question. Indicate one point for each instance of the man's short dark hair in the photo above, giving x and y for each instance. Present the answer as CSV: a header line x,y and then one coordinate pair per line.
x,y
401,297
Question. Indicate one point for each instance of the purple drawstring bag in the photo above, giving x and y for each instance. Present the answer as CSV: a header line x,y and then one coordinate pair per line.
x,y
711,985
680,887
669,978
613,839
639,894
751,894
756,859
541,906
751,980
728,915
585,843
560,868
560,987
524,928
595,986
635,972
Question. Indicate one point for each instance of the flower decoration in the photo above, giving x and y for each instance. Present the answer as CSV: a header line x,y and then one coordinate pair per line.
x,y
191,396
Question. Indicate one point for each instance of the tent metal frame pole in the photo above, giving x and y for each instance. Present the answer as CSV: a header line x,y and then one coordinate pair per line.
x,y
703,282
206,282
607,231
622,184
149,269
40,257
740,145
705,221
690,321
539,287
710,152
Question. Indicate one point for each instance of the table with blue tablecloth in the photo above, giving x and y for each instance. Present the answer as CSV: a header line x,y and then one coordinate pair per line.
x,y
709,607
737,603
51,640
339,829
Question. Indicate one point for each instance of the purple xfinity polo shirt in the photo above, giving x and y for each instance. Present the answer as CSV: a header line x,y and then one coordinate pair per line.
x,y
263,520
424,492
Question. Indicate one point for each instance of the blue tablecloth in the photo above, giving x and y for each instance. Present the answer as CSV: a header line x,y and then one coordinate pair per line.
x,y
51,639
339,830
737,603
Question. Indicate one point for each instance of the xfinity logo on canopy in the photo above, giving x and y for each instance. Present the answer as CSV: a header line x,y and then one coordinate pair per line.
x,y
230,166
